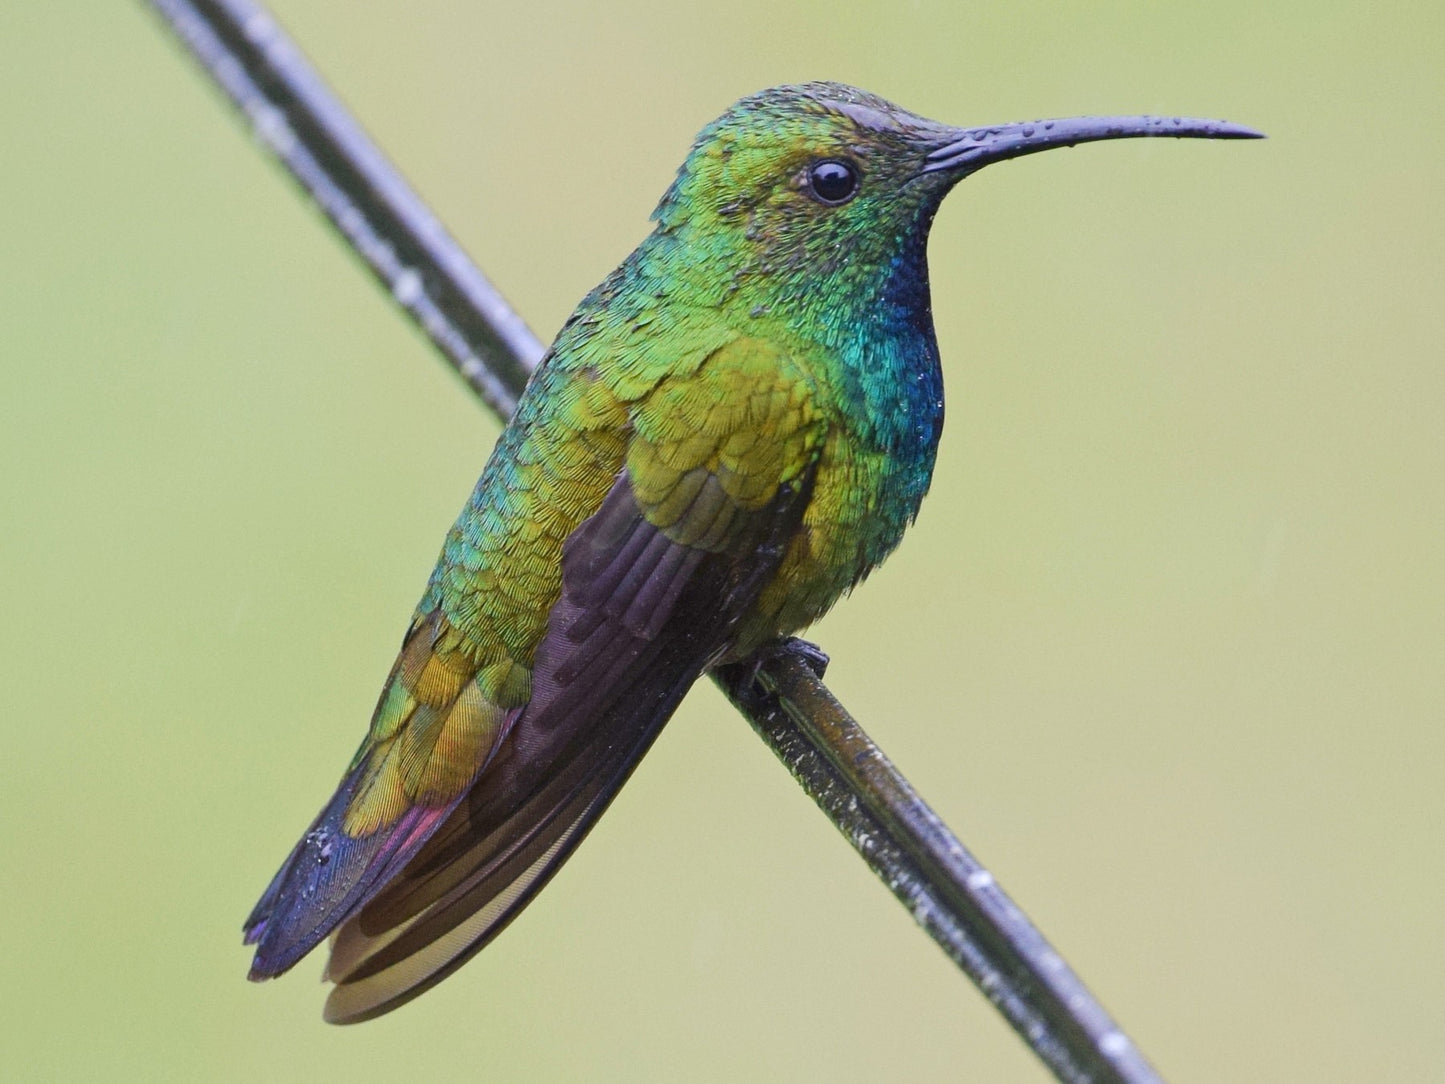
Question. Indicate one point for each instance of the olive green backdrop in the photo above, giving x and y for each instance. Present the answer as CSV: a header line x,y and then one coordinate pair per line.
x,y
1165,647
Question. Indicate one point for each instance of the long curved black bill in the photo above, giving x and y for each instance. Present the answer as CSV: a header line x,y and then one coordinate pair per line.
x,y
970,149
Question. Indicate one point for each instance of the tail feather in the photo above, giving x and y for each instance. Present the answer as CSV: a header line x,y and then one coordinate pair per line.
x,y
328,876
378,965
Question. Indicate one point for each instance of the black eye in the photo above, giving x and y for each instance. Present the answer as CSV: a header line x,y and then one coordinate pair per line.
x,y
833,182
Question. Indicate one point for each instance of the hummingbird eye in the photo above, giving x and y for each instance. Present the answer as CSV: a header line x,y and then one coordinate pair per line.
x,y
833,182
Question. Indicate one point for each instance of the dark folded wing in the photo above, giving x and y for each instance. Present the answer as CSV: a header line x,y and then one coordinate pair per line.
x,y
642,614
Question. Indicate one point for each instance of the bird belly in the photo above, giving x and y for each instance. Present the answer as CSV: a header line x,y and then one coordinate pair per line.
x,y
855,518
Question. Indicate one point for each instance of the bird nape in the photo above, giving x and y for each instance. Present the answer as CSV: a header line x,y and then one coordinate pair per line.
x,y
727,435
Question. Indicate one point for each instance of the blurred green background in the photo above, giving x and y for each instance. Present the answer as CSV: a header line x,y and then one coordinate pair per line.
x,y
1165,647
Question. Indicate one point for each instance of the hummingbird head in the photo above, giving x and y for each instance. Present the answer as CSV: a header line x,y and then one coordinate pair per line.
x,y
822,193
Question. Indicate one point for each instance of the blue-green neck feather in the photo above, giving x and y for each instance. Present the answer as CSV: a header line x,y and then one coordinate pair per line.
x,y
877,321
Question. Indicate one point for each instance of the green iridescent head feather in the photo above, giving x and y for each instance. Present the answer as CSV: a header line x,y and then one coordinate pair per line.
x,y
744,193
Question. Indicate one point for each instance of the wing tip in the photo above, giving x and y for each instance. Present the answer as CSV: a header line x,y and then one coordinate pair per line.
x,y
272,961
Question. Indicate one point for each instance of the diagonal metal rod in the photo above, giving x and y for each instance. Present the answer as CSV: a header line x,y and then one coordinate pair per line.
x,y
956,901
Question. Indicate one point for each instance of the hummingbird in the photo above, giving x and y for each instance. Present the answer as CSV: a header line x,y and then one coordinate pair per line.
x,y
728,434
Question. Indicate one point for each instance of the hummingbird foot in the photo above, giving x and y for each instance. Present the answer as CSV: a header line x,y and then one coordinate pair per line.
x,y
805,651
752,684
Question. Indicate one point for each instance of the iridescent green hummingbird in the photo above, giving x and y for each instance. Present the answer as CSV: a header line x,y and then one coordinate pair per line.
x,y
728,434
